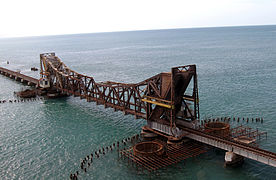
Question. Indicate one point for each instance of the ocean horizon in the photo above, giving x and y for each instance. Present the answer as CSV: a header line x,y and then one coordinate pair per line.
x,y
99,32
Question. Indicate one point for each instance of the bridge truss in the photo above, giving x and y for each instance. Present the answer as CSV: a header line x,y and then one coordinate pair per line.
x,y
164,98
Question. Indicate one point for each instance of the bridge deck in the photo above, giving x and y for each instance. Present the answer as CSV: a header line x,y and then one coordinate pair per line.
x,y
18,76
244,150
254,153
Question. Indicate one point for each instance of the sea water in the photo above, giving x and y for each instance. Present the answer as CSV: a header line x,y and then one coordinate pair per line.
x,y
47,139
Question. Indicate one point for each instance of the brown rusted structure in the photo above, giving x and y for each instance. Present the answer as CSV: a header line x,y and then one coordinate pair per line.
x,y
148,148
174,154
217,128
161,98
27,93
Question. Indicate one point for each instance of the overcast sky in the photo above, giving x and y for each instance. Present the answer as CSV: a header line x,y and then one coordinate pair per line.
x,y
49,17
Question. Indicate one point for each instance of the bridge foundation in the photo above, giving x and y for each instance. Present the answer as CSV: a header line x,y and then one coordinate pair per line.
x,y
232,159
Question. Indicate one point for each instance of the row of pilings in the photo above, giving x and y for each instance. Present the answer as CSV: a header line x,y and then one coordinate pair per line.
x,y
232,119
88,160
21,100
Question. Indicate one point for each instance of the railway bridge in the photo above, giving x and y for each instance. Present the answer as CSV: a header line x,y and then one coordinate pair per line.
x,y
168,101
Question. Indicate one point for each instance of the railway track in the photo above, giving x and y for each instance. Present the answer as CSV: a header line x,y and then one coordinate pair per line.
x,y
245,150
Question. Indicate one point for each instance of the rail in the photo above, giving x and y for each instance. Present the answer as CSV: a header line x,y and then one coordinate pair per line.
x,y
254,153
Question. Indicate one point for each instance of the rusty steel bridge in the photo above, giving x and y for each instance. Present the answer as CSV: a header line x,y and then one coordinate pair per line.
x,y
169,103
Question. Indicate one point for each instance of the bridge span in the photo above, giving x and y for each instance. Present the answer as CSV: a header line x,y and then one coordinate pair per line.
x,y
19,77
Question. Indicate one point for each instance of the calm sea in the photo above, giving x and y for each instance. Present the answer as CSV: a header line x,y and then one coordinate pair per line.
x,y
46,139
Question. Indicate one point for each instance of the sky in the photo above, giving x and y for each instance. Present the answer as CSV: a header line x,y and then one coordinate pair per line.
x,y
53,17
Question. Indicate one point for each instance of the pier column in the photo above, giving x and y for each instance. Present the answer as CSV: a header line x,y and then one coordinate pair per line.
x,y
232,159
